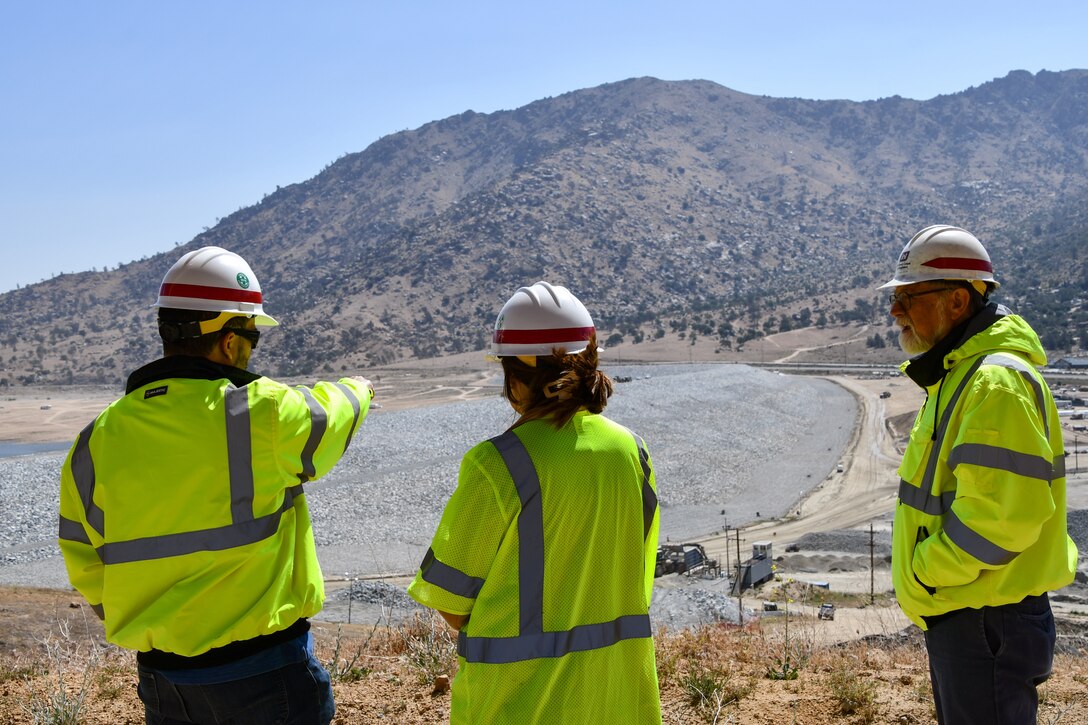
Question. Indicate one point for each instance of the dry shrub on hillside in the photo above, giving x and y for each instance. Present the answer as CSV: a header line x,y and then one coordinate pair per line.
x,y
711,674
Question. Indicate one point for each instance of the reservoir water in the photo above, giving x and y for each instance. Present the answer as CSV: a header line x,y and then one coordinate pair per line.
x,y
21,449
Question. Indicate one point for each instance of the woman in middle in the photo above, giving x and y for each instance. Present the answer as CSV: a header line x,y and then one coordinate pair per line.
x,y
544,557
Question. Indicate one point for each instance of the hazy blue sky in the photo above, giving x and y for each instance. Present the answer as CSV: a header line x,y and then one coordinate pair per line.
x,y
127,127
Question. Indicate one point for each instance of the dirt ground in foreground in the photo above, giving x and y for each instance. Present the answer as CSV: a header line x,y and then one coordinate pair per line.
x,y
773,670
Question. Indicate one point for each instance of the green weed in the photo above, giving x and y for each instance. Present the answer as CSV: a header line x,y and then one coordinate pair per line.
x,y
853,695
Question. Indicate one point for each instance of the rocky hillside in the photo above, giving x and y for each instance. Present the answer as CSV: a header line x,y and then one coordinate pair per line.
x,y
667,206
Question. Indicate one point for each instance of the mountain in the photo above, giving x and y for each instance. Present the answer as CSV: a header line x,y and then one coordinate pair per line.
x,y
667,206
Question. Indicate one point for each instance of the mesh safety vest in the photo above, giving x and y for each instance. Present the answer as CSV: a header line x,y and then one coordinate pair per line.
x,y
183,520
981,516
549,543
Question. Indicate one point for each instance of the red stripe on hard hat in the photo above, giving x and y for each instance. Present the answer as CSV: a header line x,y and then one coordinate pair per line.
x,y
979,265
203,292
531,337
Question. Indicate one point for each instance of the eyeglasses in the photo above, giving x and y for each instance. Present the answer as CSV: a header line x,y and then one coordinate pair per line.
x,y
904,298
252,335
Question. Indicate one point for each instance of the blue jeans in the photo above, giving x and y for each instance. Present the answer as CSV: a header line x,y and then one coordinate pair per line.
x,y
283,685
985,664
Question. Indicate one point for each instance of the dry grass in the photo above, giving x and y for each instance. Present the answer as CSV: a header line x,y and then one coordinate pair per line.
x,y
713,674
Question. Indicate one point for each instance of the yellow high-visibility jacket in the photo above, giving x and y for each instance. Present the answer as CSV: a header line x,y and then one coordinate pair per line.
x,y
981,516
183,520
549,543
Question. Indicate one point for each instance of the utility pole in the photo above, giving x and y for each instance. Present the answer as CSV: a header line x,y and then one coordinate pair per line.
x,y
872,567
727,567
351,596
740,585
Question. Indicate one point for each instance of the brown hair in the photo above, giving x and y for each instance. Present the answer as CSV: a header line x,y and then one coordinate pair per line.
x,y
559,385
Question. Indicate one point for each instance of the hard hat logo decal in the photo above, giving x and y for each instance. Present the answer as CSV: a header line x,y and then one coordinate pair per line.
x,y
904,255
243,280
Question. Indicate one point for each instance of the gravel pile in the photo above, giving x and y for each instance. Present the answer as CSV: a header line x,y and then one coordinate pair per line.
x,y
850,541
376,592
1077,523
382,593
694,602
28,520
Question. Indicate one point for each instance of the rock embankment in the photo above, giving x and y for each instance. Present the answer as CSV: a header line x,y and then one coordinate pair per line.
x,y
722,437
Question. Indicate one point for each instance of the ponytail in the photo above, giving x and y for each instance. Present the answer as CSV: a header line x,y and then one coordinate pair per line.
x,y
559,385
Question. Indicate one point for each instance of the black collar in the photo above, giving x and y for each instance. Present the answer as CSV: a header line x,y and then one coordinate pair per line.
x,y
928,368
185,366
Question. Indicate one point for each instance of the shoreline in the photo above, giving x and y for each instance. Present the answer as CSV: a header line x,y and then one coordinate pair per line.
x,y
12,449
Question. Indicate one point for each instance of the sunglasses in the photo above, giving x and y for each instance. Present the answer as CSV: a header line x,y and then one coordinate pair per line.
x,y
252,335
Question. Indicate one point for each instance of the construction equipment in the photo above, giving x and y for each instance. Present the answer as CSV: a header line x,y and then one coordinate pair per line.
x,y
827,611
686,559
755,571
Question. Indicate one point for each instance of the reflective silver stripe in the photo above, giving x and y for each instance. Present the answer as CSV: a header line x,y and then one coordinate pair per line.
x,y
1038,385
355,405
83,475
974,543
504,650
532,641
239,533
239,454
649,497
452,580
244,527
1022,464
1027,372
919,497
931,465
318,423
72,531
530,531
924,501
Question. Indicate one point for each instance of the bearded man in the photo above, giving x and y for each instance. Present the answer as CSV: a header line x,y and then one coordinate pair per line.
x,y
980,525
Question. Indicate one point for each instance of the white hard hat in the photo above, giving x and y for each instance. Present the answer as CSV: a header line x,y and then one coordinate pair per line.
x,y
942,252
539,318
212,279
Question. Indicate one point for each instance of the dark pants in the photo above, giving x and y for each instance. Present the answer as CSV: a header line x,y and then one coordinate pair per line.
x,y
295,692
986,663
